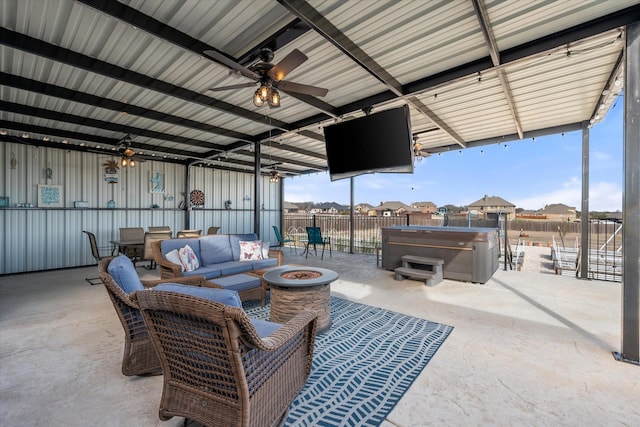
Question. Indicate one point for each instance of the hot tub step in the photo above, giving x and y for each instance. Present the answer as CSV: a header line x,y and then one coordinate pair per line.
x,y
430,278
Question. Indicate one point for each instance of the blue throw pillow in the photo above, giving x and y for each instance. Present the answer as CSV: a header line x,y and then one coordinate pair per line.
x,y
124,274
223,296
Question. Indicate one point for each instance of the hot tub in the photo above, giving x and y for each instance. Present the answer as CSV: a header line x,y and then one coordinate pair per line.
x,y
469,254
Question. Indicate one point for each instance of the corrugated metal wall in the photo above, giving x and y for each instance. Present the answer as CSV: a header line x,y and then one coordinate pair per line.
x,y
33,239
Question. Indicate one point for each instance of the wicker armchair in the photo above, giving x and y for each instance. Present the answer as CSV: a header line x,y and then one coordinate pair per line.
x,y
140,357
218,370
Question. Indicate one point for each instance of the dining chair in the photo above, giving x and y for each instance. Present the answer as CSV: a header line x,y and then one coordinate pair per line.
x,y
147,251
188,233
314,237
282,240
159,228
95,252
132,234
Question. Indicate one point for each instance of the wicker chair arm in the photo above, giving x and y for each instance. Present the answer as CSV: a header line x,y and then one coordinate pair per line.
x,y
302,320
185,280
167,268
276,253
284,334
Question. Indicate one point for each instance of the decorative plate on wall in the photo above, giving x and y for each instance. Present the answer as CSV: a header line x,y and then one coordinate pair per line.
x,y
197,198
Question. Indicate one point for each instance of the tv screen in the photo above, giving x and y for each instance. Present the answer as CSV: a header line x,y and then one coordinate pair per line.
x,y
379,142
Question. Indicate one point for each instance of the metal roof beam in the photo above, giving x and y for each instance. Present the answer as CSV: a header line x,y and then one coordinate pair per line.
x,y
101,124
487,32
331,33
93,65
146,23
35,86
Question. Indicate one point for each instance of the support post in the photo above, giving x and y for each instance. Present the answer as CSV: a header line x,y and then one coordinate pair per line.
x,y
631,202
584,221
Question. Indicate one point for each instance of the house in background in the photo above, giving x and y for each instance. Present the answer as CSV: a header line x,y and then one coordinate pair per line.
x,y
491,206
290,208
363,208
329,208
394,209
558,212
425,207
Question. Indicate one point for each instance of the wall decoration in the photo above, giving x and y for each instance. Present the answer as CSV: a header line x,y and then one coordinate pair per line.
x,y
50,196
156,182
197,199
111,171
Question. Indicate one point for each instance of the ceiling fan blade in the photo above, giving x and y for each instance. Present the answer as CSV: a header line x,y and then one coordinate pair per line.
x,y
218,57
238,86
290,62
302,88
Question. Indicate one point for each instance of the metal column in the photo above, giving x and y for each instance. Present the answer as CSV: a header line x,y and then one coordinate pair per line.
x,y
631,201
584,223
257,190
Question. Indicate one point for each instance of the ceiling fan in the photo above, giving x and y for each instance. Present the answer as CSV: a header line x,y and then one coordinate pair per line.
x,y
268,76
124,148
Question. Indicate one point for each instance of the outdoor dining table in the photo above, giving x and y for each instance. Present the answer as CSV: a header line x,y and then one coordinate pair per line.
x,y
122,245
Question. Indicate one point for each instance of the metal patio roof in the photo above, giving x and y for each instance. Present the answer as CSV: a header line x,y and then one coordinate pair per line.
x,y
82,74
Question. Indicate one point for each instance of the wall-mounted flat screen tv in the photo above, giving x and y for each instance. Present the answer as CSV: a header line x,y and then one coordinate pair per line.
x,y
379,142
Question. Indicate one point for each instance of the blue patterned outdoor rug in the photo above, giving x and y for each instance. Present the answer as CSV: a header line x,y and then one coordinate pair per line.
x,y
362,365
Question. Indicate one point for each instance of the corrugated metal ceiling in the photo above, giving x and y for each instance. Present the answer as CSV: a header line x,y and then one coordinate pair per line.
x,y
473,72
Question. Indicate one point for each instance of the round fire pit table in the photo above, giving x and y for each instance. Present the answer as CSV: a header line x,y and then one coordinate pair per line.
x,y
297,288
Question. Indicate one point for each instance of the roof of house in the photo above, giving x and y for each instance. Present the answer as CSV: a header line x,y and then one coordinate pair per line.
x,y
491,201
394,206
331,205
557,208
419,204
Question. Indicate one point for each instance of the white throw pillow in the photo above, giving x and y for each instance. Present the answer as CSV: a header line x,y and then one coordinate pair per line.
x,y
265,249
189,259
251,250
174,257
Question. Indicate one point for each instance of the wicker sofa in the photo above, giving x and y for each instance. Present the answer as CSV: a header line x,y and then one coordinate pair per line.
x,y
218,255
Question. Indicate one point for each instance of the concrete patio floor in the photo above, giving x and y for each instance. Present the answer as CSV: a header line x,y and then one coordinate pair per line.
x,y
528,349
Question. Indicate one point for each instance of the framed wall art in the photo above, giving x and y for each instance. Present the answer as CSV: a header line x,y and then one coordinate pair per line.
x,y
156,182
50,196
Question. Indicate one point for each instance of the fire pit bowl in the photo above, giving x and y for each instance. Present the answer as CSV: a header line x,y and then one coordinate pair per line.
x,y
301,275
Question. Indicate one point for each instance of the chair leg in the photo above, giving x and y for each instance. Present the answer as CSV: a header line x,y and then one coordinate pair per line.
x,y
93,281
322,256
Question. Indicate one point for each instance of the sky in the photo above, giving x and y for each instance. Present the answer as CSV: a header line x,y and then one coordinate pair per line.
x,y
528,173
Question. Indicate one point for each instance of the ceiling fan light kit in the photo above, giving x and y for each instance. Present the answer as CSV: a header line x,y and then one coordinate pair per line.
x,y
266,94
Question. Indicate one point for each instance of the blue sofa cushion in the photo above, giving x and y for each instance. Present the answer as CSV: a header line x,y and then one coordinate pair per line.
x,y
264,263
223,296
235,239
215,249
124,274
234,267
264,328
168,245
208,271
